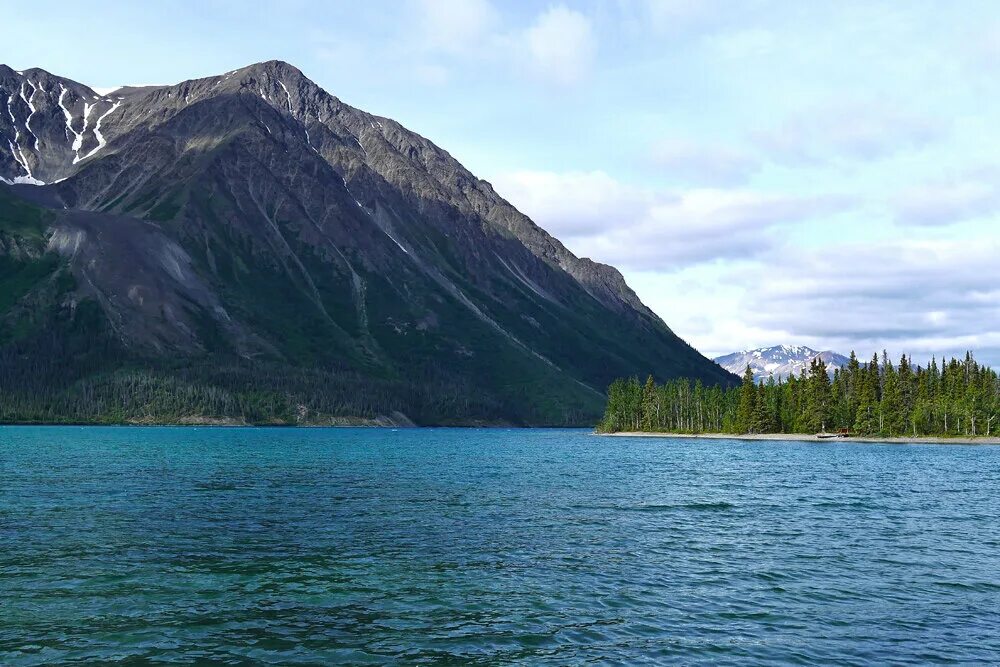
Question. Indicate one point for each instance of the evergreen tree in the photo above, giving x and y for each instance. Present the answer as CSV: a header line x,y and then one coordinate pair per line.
x,y
890,405
761,417
649,406
838,400
852,379
747,404
789,405
772,399
907,391
866,422
817,410
922,411
960,397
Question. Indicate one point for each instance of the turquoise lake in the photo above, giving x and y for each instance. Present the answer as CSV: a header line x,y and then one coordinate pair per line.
x,y
492,546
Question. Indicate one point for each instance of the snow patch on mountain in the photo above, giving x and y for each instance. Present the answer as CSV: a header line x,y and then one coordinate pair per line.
x,y
101,141
779,361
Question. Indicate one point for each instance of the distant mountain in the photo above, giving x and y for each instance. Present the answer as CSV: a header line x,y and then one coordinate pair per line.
x,y
247,247
779,361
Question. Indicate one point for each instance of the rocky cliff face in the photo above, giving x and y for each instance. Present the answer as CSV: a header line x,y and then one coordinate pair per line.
x,y
252,215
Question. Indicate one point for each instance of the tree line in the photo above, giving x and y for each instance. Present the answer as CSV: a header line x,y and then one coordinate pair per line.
x,y
74,370
878,398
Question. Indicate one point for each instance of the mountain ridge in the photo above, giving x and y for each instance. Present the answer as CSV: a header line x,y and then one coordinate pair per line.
x,y
779,361
259,217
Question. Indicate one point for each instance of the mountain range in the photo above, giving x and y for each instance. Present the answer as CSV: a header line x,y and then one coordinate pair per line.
x,y
779,361
248,248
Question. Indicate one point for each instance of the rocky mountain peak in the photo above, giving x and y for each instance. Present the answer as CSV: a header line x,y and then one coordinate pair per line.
x,y
277,70
779,361
390,253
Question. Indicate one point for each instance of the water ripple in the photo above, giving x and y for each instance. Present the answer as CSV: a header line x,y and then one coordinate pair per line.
x,y
343,546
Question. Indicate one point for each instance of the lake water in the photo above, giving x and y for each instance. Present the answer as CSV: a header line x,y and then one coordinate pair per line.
x,y
321,546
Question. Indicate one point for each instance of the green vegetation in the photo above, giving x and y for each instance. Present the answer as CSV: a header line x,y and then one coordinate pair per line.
x,y
21,219
73,369
328,321
61,361
959,398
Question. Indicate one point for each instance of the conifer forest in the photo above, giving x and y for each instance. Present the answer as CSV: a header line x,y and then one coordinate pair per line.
x,y
958,398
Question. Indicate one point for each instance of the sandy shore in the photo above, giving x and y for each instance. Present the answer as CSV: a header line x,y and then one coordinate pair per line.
x,y
801,437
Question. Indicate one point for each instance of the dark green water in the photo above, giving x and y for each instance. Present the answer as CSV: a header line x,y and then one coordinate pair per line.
x,y
324,546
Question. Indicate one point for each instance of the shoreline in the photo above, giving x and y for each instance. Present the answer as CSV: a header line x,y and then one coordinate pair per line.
x,y
282,425
803,437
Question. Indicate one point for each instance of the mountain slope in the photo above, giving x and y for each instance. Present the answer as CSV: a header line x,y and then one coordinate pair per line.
x,y
779,361
251,220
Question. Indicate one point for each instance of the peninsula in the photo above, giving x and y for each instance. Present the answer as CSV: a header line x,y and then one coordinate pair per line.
x,y
958,400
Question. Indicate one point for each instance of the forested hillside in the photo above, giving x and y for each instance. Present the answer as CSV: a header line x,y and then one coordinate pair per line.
x,y
958,398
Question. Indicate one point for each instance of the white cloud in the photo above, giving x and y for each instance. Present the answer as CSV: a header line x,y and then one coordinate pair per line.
x,y
910,296
702,308
721,268
918,297
943,203
694,162
561,45
573,204
705,225
641,229
557,47
858,131
455,26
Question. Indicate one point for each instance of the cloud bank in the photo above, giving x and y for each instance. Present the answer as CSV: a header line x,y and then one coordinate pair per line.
x,y
642,229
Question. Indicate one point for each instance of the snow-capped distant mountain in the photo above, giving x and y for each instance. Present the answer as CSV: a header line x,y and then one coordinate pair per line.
x,y
779,361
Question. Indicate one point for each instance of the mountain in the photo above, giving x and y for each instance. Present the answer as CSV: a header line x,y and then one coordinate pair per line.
x,y
248,248
780,361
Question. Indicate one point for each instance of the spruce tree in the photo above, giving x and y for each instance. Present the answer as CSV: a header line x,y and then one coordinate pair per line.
x,y
817,410
960,397
866,422
839,402
773,395
853,378
747,404
907,390
786,423
891,404
649,421
761,416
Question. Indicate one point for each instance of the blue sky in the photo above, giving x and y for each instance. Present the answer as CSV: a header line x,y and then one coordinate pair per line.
x,y
762,172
